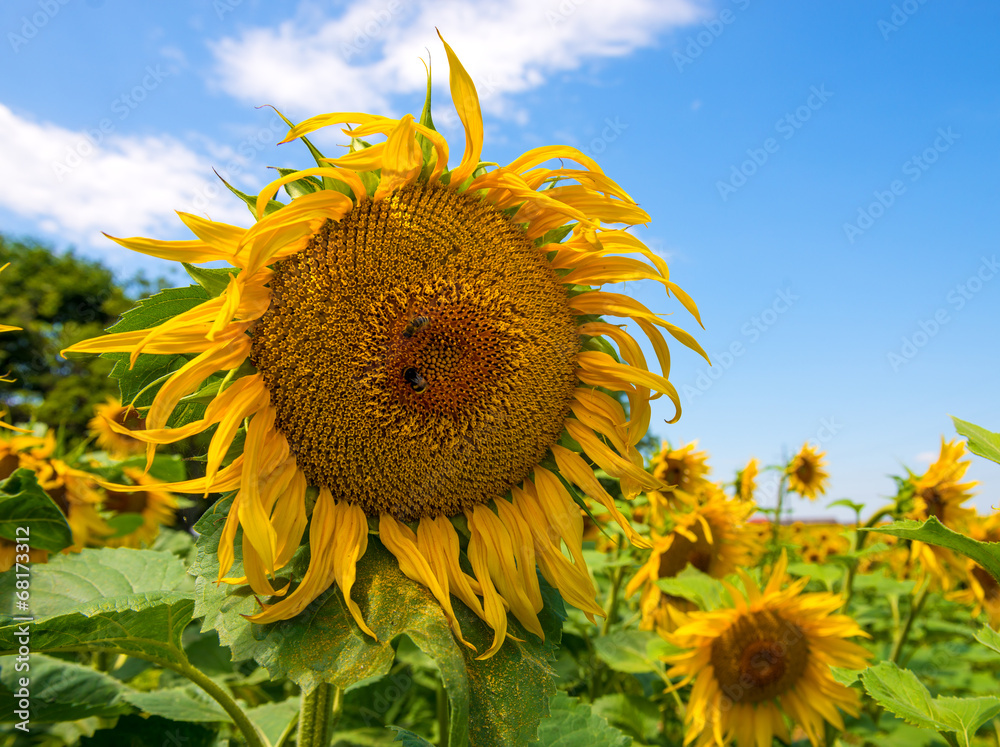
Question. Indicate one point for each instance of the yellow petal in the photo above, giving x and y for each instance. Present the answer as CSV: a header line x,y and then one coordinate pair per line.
x,y
463,93
350,540
402,158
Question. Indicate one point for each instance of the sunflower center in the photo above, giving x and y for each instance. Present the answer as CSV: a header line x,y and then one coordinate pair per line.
x,y
805,472
934,502
419,353
126,503
683,550
759,657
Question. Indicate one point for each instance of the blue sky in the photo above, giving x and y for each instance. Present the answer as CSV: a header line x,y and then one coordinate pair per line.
x,y
821,177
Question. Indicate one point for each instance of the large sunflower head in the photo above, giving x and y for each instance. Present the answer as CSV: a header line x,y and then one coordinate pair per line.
x,y
806,475
413,344
117,444
768,655
938,491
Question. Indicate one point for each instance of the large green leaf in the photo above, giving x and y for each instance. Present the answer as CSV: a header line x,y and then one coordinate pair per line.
x,y
273,718
59,690
707,592
574,724
989,637
147,313
178,704
628,651
118,600
932,531
981,441
498,701
26,508
900,692
213,280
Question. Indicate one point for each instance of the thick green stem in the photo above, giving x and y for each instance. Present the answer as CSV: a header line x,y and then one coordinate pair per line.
x,y
202,680
612,604
916,604
320,710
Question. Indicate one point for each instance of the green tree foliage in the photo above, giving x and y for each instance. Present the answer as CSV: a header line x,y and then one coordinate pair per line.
x,y
57,300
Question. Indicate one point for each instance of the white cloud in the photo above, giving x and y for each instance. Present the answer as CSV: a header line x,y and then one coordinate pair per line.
x,y
76,184
359,60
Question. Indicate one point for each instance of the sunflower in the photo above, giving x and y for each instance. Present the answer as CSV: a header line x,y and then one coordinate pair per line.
x,y
5,380
805,473
74,491
769,654
938,491
684,471
117,444
713,537
746,481
154,505
412,344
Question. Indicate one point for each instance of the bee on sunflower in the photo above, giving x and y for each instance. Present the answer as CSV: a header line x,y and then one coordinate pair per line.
x,y
805,472
419,353
766,657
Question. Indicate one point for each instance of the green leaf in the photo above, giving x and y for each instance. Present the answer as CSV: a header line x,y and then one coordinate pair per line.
x,y
575,724
117,600
826,574
498,701
845,677
989,638
178,704
900,692
213,280
627,651
251,200
59,690
932,531
856,507
300,187
153,731
981,441
124,523
25,506
707,592
148,313
273,718
408,738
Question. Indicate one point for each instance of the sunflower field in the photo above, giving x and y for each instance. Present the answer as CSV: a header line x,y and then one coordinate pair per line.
x,y
383,473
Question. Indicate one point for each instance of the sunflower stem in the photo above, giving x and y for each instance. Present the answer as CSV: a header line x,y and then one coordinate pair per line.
x,y
776,523
612,603
916,605
319,712
860,538
219,694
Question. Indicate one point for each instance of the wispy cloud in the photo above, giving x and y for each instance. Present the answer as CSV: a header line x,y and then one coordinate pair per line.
x,y
360,59
76,184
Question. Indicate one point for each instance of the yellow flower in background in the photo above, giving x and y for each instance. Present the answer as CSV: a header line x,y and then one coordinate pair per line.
x,y
4,380
154,505
6,327
769,655
938,491
746,480
684,471
713,537
981,590
118,445
75,492
419,342
806,475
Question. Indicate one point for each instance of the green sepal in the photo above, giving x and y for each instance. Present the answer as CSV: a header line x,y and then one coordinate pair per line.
x,y
300,187
599,344
25,506
426,146
213,280
251,200
555,235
